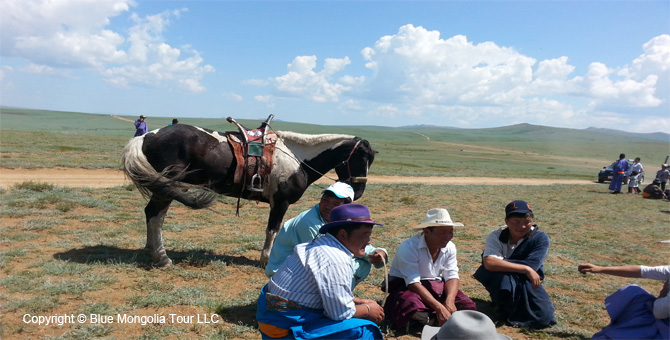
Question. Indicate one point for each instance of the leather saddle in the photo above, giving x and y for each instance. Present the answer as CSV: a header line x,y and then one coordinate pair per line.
x,y
254,149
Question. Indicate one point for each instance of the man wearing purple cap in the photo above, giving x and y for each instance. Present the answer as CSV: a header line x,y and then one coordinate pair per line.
x,y
305,227
512,270
310,295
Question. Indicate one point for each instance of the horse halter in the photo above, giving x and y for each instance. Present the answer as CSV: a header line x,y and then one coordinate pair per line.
x,y
352,179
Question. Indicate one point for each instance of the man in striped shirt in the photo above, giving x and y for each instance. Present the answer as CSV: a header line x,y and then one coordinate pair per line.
x,y
311,296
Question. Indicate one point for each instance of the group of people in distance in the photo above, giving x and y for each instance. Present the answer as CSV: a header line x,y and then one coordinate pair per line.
x,y
320,256
623,172
141,127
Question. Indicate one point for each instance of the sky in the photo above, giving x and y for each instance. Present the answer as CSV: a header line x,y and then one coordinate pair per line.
x,y
466,64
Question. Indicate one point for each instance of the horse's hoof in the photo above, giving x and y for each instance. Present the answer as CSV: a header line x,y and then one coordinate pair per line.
x,y
164,263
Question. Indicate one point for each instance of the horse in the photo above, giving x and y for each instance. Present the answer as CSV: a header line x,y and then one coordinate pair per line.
x,y
193,165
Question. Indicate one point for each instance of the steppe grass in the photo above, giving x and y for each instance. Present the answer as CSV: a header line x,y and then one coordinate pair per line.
x,y
90,259
39,139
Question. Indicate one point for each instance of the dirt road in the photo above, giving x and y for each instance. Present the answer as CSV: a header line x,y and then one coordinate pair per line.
x,y
105,178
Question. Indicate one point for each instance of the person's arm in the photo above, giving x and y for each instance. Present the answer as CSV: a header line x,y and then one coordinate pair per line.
x,y
451,288
495,264
623,271
450,277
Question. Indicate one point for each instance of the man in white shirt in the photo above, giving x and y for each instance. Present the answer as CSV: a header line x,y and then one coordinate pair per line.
x,y
310,296
423,281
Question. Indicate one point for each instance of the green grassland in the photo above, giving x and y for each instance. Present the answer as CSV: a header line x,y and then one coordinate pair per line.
x,y
81,250
36,138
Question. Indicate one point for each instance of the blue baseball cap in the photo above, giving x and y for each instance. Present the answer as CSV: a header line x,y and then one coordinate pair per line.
x,y
517,207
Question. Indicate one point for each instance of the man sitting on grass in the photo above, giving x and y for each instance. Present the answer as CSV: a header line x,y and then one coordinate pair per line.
x,y
423,281
512,270
310,295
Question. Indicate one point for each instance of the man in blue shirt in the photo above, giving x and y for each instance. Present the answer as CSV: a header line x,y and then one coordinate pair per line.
x,y
619,169
141,126
305,227
310,295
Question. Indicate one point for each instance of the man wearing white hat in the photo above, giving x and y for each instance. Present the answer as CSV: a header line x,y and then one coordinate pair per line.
x,y
305,227
423,282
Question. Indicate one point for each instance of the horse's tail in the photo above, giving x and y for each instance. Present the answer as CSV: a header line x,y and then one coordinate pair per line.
x,y
150,182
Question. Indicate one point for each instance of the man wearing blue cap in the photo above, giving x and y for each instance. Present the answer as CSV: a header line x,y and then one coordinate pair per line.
x,y
310,296
512,270
305,227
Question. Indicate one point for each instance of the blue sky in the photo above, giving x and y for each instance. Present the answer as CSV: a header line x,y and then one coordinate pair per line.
x,y
473,64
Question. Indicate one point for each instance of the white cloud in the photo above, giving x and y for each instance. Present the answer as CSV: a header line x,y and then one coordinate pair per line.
x,y
263,99
416,76
458,80
303,81
72,34
4,71
234,97
46,70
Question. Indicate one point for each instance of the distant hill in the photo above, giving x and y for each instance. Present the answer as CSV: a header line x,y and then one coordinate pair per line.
x,y
656,136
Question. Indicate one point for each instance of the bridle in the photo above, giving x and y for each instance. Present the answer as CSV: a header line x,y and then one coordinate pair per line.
x,y
346,162
357,180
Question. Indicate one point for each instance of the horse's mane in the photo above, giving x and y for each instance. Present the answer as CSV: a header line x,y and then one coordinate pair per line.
x,y
304,146
305,139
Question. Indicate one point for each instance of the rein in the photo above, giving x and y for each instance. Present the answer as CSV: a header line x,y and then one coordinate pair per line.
x,y
351,153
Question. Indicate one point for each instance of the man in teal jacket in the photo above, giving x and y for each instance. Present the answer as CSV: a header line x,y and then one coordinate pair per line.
x,y
305,227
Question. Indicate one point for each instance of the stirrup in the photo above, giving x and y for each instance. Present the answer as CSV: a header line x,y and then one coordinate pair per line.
x,y
256,183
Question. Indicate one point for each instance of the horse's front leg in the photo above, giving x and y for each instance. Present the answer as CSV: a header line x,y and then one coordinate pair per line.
x,y
155,213
277,212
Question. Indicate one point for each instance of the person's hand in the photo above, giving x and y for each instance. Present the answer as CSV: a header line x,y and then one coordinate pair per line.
x,y
451,307
377,257
587,268
376,313
442,315
534,277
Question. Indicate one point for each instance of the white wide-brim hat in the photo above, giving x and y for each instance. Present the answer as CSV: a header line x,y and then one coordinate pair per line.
x,y
437,218
464,325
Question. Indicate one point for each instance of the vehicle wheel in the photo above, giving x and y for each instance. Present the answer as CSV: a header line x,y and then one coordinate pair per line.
x,y
600,180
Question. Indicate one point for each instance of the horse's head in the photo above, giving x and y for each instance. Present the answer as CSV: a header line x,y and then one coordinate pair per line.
x,y
354,169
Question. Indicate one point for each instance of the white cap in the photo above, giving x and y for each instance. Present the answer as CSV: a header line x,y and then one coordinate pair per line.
x,y
341,190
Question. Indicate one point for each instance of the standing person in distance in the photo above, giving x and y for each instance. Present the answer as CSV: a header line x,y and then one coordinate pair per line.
x,y
619,169
662,176
141,126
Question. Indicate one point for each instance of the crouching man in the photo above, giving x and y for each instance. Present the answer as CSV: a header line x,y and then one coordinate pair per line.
x,y
310,296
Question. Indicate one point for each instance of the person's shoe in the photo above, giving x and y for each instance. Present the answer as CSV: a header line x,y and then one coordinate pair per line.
x,y
422,317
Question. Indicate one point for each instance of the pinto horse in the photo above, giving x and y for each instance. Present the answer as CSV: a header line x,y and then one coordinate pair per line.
x,y
166,163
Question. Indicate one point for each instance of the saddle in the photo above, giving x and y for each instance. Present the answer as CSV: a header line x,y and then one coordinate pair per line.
x,y
253,151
